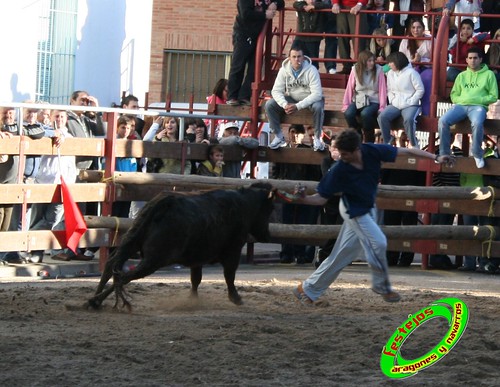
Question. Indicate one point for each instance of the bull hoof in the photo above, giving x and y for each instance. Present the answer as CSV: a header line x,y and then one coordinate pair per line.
x,y
93,303
236,300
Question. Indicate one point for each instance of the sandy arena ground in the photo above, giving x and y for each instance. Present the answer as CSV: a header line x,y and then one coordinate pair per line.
x,y
47,339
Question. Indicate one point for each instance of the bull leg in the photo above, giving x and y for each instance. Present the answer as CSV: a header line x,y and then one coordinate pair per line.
x,y
196,274
229,275
100,294
120,279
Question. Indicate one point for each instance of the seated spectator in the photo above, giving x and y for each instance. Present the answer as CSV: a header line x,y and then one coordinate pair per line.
x,y
402,20
218,97
215,163
404,90
365,95
297,86
474,89
459,45
381,47
419,52
166,129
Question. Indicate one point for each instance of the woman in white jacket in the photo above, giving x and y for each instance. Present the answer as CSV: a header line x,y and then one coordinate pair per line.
x,y
404,91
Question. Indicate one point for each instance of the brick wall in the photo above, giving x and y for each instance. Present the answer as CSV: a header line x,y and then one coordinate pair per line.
x,y
202,25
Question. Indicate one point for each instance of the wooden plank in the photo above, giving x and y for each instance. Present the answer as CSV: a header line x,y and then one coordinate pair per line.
x,y
43,146
48,193
46,239
474,207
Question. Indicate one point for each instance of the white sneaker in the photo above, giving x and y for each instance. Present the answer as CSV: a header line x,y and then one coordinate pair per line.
x,y
318,145
479,162
332,71
278,142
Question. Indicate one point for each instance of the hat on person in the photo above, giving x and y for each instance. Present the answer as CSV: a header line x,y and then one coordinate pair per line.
x,y
229,125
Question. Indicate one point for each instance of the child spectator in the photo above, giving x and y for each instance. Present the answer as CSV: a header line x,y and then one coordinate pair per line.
x,y
460,43
381,47
124,164
212,166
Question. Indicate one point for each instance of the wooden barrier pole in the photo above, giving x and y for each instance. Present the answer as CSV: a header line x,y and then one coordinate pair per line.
x,y
325,232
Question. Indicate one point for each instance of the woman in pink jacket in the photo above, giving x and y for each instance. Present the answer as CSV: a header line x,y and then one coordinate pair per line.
x,y
365,95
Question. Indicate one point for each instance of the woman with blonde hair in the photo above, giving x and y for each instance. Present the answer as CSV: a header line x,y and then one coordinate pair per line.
x,y
380,44
365,95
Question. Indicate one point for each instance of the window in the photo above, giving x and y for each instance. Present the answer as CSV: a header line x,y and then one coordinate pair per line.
x,y
56,50
193,73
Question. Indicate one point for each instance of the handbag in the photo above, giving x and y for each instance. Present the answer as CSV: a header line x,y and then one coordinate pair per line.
x,y
361,100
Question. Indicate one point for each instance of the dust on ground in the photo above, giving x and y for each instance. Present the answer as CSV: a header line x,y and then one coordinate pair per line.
x,y
169,339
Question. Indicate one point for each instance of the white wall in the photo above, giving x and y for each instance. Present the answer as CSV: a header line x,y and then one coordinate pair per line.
x,y
113,51
114,48
18,55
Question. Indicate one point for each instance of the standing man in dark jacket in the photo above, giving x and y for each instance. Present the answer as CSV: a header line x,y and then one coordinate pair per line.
x,y
310,21
251,17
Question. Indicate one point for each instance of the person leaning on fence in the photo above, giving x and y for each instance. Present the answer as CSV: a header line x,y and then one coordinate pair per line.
x,y
248,24
474,90
356,176
365,95
50,216
297,87
229,135
83,124
404,90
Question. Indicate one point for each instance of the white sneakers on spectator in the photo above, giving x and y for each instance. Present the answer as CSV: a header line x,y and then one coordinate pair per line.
x,y
318,144
479,162
278,142
332,71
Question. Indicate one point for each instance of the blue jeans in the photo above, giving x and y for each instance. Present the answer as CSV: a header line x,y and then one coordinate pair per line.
x,y
476,115
368,116
274,113
390,113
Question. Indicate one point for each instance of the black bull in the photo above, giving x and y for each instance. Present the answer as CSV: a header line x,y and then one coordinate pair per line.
x,y
192,231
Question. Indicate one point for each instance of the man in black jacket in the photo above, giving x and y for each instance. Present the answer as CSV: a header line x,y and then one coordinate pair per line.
x,y
251,17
